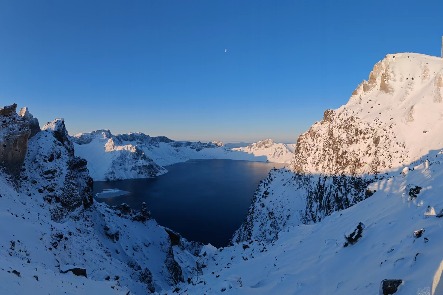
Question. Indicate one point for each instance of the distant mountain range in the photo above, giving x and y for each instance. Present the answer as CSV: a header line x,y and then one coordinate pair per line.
x,y
137,155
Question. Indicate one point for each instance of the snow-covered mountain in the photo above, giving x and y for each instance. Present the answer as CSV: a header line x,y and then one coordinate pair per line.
x,y
391,125
358,211
398,236
274,152
112,157
137,155
56,240
374,133
392,119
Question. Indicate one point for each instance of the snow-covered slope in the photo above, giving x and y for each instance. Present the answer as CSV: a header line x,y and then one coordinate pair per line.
x,y
361,203
372,134
313,258
136,155
110,157
56,240
374,165
394,118
116,250
274,152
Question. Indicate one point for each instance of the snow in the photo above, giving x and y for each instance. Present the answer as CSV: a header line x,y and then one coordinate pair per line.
x,y
388,137
119,250
401,105
34,245
413,106
274,152
111,193
311,259
102,149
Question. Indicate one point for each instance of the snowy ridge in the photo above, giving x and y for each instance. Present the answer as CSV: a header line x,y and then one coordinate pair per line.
x,y
51,171
313,259
274,152
56,239
111,158
137,155
118,251
391,126
352,146
392,119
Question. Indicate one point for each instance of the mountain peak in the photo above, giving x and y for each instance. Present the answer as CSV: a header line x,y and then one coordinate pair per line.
x,y
398,74
392,119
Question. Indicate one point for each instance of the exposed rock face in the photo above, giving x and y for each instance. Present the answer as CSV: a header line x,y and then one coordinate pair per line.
x,y
62,179
344,144
33,122
99,243
389,287
14,134
285,198
174,269
80,272
391,120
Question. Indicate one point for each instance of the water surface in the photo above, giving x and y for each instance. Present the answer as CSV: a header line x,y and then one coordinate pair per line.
x,y
204,200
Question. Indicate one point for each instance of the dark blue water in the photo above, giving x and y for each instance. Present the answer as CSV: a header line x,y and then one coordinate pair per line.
x,y
203,200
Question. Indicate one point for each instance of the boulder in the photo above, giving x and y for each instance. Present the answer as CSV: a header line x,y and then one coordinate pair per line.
x,y
389,286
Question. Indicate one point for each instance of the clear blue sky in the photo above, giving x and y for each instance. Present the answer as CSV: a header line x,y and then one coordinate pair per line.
x,y
160,67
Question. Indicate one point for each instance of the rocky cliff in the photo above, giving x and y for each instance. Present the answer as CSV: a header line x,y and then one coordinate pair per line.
x,y
390,121
60,178
56,236
15,131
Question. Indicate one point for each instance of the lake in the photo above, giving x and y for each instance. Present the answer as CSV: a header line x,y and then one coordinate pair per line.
x,y
203,200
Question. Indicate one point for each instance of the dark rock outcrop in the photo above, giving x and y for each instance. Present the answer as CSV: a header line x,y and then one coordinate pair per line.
x,y
15,131
344,144
327,194
146,278
353,237
80,272
173,237
322,195
143,215
418,233
174,269
50,166
414,191
389,287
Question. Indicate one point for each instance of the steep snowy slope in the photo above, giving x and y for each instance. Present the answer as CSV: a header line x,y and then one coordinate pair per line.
x,y
391,120
374,165
314,258
136,155
110,251
274,152
110,157
56,239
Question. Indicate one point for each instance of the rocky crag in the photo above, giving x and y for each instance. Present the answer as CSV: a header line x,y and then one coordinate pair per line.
x,y
391,120
55,234
15,131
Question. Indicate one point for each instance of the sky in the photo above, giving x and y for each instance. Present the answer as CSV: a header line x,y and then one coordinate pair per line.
x,y
201,70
